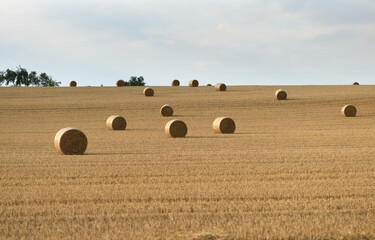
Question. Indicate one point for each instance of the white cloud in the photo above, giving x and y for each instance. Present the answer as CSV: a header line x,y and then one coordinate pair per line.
x,y
275,42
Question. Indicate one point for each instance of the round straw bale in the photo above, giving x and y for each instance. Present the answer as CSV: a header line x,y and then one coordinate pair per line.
x,y
224,125
176,128
209,85
70,141
120,83
166,110
175,83
280,94
116,122
193,83
355,83
73,84
349,111
220,87
148,92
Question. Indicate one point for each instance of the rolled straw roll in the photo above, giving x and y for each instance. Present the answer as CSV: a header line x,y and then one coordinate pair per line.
x,y
120,83
355,83
116,122
166,110
148,92
175,83
220,87
224,125
193,83
349,111
176,128
73,84
70,141
280,94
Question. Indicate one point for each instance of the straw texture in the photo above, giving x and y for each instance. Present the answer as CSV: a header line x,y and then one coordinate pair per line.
x,y
116,122
220,87
148,92
176,129
193,83
166,110
280,94
70,141
349,111
224,125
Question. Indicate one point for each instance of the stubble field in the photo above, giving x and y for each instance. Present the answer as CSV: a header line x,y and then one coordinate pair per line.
x,y
292,169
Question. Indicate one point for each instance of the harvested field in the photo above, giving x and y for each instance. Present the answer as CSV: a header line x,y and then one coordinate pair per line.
x,y
292,169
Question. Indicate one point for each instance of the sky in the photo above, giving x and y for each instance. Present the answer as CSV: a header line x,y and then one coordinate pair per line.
x,y
237,42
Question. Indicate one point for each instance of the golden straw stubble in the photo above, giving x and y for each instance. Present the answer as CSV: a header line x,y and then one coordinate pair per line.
x,y
120,83
70,141
73,84
280,94
349,111
220,87
148,92
194,83
175,83
224,125
166,110
176,128
116,122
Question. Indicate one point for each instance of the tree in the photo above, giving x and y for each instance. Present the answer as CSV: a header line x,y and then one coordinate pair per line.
x,y
21,77
135,81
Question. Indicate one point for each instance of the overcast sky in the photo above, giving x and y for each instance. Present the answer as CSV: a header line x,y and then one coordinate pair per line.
x,y
238,42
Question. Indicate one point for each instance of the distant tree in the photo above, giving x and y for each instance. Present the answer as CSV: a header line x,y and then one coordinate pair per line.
x,y
2,77
34,80
21,77
135,81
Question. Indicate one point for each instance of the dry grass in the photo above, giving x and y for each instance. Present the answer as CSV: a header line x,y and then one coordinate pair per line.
x,y
293,169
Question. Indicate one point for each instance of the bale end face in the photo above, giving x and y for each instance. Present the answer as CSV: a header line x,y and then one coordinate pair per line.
x,y
120,83
175,83
355,83
349,111
166,110
148,92
193,83
115,122
209,85
176,129
220,87
70,141
73,84
280,94
224,125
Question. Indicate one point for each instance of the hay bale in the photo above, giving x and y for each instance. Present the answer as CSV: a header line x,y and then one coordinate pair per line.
x,y
166,110
355,83
349,111
224,125
220,87
193,83
70,141
120,83
176,128
175,83
280,94
209,85
148,92
73,84
116,122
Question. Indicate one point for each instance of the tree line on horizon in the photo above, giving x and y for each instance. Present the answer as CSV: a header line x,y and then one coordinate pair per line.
x,y
21,77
